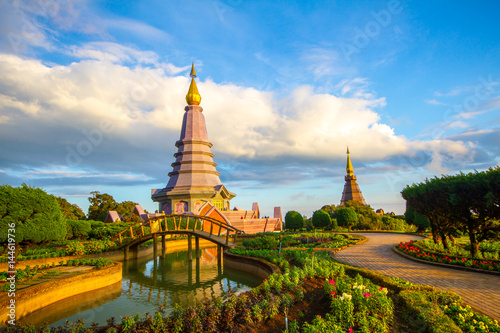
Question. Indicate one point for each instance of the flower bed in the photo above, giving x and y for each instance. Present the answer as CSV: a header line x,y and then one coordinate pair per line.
x,y
468,320
411,249
305,240
314,294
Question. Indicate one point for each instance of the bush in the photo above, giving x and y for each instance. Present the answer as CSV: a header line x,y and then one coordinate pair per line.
x,y
321,219
78,229
264,243
346,217
36,214
101,230
293,220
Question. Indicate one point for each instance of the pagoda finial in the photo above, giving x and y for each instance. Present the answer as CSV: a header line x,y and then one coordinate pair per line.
x,y
193,72
193,96
349,168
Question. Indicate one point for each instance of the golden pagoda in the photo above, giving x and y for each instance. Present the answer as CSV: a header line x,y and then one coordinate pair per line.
x,y
351,188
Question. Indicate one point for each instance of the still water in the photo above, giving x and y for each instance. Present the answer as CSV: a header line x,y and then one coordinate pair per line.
x,y
148,284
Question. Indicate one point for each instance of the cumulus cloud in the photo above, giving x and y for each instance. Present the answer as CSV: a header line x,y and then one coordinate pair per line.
x,y
119,110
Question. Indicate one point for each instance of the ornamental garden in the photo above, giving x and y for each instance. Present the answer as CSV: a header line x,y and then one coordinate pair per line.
x,y
307,291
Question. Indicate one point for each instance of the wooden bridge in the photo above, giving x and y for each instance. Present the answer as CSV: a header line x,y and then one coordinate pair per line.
x,y
205,227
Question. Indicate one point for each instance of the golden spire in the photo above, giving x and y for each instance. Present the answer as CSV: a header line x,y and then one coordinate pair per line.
x,y
349,168
193,96
193,72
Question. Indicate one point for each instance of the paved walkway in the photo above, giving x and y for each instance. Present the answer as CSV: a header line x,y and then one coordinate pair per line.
x,y
480,291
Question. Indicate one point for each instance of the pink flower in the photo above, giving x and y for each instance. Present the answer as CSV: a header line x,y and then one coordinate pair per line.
x,y
331,282
350,329
332,293
265,280
366,294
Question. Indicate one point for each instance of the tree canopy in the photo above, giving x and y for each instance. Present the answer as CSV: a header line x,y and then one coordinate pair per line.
x,y
347,217
101,204
70,211
36,214
469,203
293,220
321,219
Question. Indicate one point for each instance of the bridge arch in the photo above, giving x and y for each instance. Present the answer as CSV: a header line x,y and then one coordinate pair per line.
x,y
205,227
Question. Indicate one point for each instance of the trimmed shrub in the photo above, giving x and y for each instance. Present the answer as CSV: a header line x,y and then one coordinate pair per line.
x,y
293,220
346,217
321,219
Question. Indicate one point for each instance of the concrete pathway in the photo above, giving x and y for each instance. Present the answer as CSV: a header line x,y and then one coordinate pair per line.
x,y
480,291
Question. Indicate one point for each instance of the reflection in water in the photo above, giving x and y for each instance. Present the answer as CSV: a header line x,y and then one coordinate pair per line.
x,y
148,284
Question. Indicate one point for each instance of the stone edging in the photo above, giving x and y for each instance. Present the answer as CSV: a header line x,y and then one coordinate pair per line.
x,y
255,266
40,295
462,268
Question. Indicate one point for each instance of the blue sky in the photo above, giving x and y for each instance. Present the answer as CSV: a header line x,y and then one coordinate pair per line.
x,y
92,95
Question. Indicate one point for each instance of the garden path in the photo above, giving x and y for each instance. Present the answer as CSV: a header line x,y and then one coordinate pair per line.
x,y
480,291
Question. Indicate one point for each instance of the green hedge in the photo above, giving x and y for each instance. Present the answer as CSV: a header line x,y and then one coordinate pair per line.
x,y
78,229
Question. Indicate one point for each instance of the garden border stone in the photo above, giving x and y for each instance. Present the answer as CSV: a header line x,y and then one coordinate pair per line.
x,y
254,266
33,298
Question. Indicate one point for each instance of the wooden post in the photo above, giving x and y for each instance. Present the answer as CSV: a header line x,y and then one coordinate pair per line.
x,y
190,273
197,247
131,232
219,259
197,270
155,271
190,254
163,246
155,243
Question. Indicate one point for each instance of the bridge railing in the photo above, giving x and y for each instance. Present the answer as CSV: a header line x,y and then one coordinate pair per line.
x,y
178,222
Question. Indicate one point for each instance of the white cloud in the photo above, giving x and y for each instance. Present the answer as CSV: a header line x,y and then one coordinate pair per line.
x,y
434,102
321,62
145,105
455,91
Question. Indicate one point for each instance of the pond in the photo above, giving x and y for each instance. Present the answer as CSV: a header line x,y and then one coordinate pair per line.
x,y
148,284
